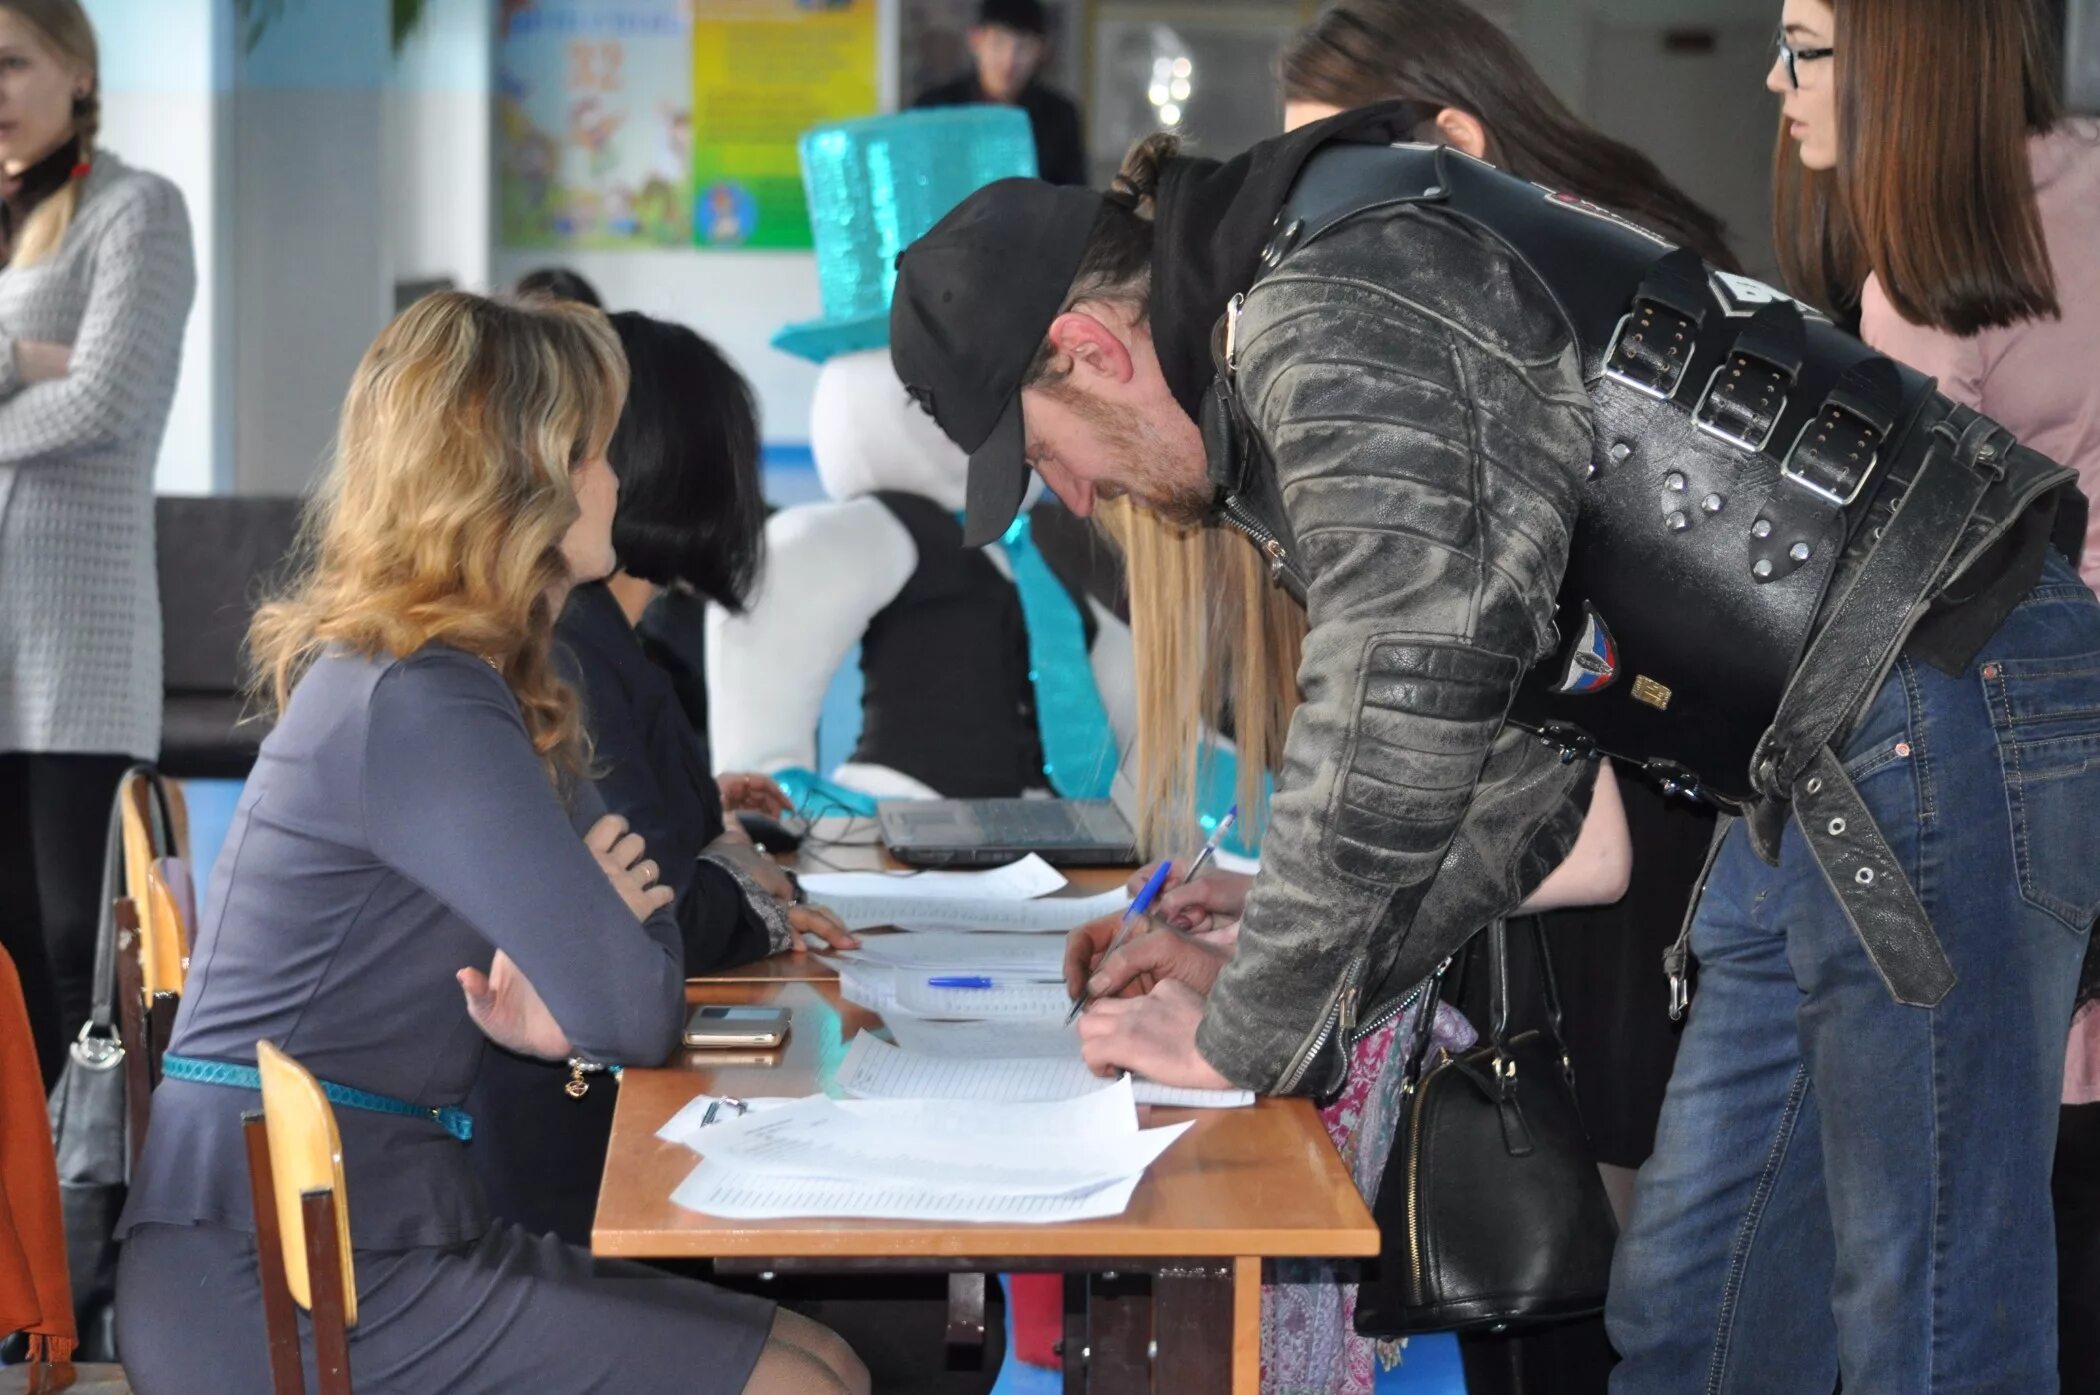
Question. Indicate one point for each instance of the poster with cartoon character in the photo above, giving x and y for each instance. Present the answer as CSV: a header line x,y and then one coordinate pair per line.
x,y
594,123
763,72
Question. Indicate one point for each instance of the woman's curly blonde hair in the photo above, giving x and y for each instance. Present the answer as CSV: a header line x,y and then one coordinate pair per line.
x,y
441,517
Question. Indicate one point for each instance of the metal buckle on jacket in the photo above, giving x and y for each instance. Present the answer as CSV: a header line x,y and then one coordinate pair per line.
x,y
1829,465
1743,400
1658,371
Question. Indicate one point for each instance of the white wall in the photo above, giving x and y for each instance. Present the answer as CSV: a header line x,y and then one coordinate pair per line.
x,y
310,232
437,146
166,70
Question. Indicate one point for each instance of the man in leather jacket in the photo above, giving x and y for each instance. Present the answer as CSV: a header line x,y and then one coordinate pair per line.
x,y
1428,433
1414,427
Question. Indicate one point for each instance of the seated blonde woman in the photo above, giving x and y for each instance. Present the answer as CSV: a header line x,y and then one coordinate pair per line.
x,y
419,867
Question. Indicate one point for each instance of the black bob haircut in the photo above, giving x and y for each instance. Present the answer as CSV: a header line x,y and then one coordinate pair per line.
x,y
560,283
686,451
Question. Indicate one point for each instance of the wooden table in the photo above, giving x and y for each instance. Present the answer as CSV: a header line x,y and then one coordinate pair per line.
x,y
1165,1298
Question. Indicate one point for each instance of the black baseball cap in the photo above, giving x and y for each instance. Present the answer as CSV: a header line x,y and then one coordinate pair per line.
x,y
975,297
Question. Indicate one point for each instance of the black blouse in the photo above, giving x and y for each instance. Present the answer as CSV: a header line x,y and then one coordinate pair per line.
x,y
540,1153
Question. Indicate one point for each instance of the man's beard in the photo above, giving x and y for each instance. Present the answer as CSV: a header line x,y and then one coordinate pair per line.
x,y
1140,454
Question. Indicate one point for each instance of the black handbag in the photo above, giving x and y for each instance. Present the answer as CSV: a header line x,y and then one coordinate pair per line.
x,y
1491,1211
89,1115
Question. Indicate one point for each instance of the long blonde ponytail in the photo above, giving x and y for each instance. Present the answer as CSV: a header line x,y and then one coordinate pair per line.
x,y
67,31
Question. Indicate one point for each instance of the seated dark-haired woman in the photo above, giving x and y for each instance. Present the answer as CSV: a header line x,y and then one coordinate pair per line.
x,y
690,516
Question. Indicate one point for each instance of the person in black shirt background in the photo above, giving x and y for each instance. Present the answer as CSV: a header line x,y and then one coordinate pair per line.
x,y
1008,43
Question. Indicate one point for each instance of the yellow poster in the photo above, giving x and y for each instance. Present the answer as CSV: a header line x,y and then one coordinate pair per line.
x,y
765,71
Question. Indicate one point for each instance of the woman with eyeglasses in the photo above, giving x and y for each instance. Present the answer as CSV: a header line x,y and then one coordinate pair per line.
x,y
1928,185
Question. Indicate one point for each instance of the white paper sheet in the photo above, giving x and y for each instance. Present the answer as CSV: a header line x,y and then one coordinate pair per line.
x,y
1016,881
684,1126
1043,915
744,1195
1011,998
985,1040
818,1138
953,951
874,1069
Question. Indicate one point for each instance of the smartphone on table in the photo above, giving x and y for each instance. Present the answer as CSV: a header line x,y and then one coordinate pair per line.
x,y
736,1026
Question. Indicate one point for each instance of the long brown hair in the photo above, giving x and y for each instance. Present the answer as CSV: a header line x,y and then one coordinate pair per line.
x,y
1932,192
66,31
441,518
1443,53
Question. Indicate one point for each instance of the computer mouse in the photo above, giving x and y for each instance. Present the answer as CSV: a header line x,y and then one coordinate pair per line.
x,y
770,833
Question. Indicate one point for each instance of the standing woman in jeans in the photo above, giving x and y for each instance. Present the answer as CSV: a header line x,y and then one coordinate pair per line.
x,y
97,283
1970,242
1845,1184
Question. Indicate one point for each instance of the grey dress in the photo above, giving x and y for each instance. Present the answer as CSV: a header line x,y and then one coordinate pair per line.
x,y
399,827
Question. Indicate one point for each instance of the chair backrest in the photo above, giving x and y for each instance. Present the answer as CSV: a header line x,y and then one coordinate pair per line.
x,y
150,837
164,951
306,1157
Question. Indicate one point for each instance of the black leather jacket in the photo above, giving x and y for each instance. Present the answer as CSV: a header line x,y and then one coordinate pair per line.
x,y
1417,427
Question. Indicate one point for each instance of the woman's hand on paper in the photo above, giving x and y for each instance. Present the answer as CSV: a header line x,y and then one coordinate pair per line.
x,y
1202,904
1154,1036
507,1008
746,793
621,857
806,922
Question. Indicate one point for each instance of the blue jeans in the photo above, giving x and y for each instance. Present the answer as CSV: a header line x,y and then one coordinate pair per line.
x,y
1842,1184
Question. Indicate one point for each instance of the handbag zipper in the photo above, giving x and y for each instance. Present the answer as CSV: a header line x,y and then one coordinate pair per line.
x,y
1341,1012
1414,1187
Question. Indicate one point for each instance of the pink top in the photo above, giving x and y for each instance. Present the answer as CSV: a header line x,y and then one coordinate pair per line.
x,y
2039,377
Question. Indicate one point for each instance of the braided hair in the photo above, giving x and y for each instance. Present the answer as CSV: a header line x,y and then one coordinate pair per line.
x,y
67,32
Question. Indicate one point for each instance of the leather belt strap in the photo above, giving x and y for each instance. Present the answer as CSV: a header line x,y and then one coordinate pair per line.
x,y
1797,761
1869,885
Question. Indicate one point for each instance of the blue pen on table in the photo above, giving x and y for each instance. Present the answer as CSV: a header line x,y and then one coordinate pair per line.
x,y
1137,910
979,981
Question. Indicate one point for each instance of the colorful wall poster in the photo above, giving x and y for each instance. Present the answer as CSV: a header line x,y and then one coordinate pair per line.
x,y
763,72
594,123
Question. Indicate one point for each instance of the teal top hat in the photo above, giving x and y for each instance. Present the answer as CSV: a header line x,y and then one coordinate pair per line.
x,y
874,186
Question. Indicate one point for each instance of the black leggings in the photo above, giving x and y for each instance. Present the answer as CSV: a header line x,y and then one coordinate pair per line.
x,y
54,824
2077,1189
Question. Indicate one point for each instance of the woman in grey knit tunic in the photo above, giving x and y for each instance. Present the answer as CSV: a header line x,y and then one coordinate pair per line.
x,y
96,287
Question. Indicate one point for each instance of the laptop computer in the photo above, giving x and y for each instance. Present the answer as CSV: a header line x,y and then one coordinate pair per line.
x,y
993,832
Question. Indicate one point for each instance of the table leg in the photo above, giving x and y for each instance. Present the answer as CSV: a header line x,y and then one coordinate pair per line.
x,y
1119,1334
1246,1325
1072,1351
1193,1315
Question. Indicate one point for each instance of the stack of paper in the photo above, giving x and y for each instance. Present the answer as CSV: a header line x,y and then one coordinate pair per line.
x,y
963,1067
924,1160
1015,897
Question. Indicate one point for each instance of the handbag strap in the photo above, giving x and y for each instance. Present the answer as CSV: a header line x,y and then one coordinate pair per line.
x,y
160,834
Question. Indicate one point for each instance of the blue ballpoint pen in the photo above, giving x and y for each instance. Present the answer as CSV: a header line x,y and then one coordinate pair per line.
x,y
979,981
1137,910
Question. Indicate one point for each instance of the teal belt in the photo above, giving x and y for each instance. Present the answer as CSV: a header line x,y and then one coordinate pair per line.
x,y
456,1122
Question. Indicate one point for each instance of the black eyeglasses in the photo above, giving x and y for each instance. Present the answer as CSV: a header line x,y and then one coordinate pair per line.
x,y
1791,56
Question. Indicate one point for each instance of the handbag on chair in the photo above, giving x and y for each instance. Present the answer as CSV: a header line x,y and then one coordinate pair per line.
x,y
1491,1211
89,1107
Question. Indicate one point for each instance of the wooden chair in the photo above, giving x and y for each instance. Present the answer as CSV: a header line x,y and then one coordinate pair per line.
x,y
302,1224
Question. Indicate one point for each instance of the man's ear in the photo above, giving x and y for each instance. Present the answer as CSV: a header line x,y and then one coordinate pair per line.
x,y
1092,346
1463,129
